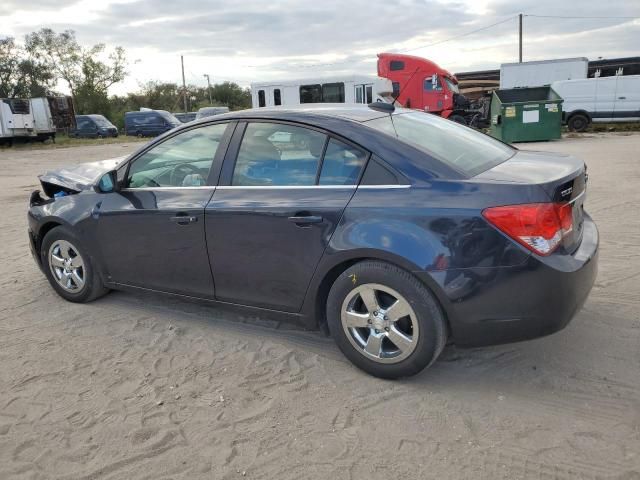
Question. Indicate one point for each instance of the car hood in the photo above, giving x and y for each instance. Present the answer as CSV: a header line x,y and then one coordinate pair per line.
x,y
75,178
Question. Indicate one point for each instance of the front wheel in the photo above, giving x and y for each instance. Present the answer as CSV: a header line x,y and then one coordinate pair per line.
x,y
385,320
68,267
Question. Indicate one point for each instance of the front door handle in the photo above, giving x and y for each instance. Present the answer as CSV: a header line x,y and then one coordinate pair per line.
x,y
305,219
183,219
622,98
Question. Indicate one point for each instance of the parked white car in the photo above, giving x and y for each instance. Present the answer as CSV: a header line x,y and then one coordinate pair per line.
x,y
602,99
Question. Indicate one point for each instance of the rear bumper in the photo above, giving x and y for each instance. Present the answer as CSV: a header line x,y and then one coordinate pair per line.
x,y
489,306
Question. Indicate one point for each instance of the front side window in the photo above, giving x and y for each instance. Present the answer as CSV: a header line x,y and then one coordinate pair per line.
x,y
311,93
342,164
465,149
278,155
430,85
333,92
261,99
277,98
180,161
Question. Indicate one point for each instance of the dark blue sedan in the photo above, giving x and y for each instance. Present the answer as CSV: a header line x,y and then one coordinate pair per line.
x,y
398,230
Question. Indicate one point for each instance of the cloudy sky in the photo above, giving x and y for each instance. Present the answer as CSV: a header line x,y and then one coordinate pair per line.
x,y
249,40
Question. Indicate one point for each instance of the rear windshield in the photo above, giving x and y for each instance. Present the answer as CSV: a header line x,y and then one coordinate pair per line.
x,y
463,148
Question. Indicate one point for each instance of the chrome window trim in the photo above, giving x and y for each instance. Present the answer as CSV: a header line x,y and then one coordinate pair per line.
x,y
267,187
146,189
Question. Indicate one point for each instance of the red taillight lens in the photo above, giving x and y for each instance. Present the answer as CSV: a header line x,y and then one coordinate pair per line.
x,y
538,226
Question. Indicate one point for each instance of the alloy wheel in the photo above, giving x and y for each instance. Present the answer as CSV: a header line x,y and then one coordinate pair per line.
x,y
380,323
67,266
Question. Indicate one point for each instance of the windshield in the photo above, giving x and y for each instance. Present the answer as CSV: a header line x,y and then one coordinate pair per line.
x,y
463,148
101,121
453,87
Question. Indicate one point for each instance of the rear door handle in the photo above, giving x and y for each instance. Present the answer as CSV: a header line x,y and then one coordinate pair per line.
x,y
305,219
183,219
622,98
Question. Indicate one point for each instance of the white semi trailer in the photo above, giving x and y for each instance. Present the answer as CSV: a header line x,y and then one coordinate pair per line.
x,y
16,119
44,126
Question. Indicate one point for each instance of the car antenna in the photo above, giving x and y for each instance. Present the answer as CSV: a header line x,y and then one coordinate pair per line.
x,y
390,107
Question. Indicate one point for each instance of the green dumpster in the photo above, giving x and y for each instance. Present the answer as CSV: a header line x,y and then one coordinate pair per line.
x,y
526,114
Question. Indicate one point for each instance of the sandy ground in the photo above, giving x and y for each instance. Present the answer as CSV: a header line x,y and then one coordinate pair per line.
x,y
142,387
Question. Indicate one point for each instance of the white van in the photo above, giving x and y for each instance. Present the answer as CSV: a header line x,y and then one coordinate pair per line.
x,y
601,99
338,89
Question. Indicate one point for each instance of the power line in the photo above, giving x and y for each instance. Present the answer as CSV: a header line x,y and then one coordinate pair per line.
x,y
415,48
461,35
580,17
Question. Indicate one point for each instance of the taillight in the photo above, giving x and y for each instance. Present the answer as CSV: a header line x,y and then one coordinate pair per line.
x,y
538,226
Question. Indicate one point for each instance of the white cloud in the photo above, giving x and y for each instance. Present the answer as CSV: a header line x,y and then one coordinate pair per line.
x,y
257,40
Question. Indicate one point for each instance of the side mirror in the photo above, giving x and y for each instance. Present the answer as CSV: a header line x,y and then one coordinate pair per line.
x,y
108,183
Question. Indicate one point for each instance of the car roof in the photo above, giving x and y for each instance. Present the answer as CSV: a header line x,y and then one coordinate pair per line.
x,y
353,112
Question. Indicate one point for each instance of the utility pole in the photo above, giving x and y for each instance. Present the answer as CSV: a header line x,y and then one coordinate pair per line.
x,y
206,75
184,86
520,36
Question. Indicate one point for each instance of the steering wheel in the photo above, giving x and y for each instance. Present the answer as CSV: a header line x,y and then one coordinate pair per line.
x,y
184,169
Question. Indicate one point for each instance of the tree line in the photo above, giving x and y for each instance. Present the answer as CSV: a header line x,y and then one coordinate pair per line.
x,y
47,59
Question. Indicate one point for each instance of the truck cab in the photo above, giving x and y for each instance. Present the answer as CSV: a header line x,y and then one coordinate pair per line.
x,y
421,84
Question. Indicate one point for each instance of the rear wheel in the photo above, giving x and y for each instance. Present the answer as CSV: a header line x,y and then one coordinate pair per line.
x,y
385,320
578,123
68,267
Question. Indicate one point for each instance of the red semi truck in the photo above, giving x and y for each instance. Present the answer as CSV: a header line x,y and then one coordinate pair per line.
x,y
422,84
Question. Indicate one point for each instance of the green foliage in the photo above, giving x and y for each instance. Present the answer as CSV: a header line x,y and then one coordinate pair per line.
x,y
48,57
21,75
87,76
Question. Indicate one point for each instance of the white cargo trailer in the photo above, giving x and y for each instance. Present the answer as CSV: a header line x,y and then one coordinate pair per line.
x,y
16,119
337,89
42,118
541,73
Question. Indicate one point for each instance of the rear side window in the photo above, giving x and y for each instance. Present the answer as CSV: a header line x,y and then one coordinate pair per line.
x,y
278,155
261,99
333,92
277,98
342,164
462,148
311,93
396,65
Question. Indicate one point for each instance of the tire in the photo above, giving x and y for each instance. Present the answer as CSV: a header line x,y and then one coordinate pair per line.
x,y
91,286
391,284
139,134
578,123
458,119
